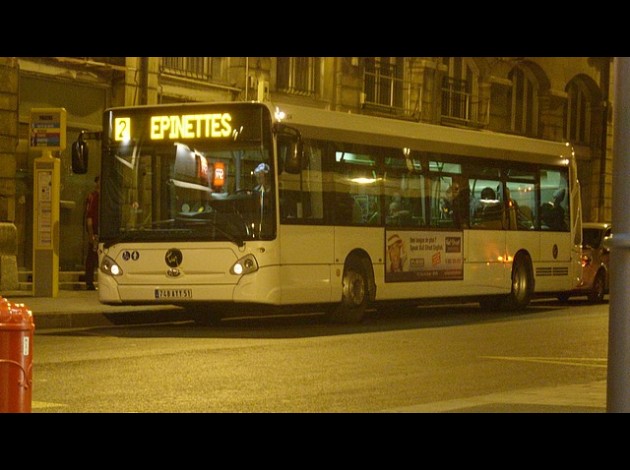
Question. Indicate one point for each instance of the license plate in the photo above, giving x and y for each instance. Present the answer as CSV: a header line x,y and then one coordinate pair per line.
x,y
173,293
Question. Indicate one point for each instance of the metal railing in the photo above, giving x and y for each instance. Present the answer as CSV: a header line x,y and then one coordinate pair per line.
x,y
197,68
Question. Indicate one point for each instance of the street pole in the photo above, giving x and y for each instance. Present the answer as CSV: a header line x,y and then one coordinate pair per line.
x,y
618,385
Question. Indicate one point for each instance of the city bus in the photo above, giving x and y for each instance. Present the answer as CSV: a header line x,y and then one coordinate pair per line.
x,y
253,208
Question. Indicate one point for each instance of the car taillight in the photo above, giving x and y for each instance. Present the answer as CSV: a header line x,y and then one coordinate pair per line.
x,y
586,260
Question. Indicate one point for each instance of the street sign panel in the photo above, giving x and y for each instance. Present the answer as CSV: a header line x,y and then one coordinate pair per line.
x,y
48,129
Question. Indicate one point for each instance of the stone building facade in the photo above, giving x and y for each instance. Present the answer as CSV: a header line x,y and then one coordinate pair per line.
x,y
554,98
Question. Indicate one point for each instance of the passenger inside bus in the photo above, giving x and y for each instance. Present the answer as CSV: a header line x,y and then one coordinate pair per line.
x,y
397,215
374,214
552,213
521,217
456,204
347,209
489,210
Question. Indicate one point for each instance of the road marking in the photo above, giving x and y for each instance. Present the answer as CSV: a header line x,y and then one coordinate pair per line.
x,y
45,404
588,397
565,361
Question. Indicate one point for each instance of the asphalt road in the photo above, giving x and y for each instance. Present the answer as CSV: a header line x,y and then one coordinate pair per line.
x,y
453,359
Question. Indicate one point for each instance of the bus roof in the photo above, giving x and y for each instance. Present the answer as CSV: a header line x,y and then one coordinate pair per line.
x,y
390,132
360,128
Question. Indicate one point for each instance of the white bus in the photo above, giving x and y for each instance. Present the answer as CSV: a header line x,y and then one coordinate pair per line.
x,y
354,211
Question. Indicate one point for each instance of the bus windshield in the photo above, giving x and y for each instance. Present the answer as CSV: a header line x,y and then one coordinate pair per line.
x,y
173,181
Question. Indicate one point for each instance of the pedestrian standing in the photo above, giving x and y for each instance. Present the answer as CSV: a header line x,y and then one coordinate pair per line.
x,y
91,226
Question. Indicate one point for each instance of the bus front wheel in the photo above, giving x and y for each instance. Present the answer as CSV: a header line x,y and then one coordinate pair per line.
x,y
354,295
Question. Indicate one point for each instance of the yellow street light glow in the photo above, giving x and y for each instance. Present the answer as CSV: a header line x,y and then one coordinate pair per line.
x,y
363,180
280,115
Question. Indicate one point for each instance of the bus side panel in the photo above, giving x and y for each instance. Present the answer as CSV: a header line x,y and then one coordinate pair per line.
x,y
554,271
485,270
306,256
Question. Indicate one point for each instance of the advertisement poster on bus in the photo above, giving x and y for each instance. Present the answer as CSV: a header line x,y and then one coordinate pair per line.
x,y
423,256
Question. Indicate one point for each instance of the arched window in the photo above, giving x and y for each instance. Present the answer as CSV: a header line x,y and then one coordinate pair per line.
x,y
523,102
578,113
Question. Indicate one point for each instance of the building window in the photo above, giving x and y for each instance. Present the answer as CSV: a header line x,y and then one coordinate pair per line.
x,y
383,81
455,98
198,68
457,89
578,113
523,102
298,75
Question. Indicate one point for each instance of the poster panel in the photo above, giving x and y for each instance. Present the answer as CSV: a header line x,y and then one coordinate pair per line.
x,y
423,256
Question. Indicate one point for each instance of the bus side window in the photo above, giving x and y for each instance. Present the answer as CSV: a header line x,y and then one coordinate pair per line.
x,y
347,210
288,204
488,208
552,214
374,212
521,205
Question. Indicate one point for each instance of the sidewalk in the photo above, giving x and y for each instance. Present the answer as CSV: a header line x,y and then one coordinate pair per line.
x,y
81,308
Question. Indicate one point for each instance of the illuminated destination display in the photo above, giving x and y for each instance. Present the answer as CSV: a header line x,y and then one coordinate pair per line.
x,y
185,126
191,126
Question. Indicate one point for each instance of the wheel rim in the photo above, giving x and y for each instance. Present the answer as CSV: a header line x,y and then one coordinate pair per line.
x,y
353,288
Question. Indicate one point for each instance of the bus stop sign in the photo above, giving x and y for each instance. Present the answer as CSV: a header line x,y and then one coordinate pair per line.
x,y
48,129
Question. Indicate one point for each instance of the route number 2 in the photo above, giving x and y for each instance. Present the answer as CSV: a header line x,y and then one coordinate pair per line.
x,y
122,129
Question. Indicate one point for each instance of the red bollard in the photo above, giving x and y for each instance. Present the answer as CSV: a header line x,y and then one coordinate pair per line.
x,y
16,357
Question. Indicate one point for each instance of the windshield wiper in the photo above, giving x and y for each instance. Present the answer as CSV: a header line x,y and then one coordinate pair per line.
x,y
141,234
238,241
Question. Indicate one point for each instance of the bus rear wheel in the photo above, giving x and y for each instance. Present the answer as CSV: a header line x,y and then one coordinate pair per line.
x,y
354,295
522,284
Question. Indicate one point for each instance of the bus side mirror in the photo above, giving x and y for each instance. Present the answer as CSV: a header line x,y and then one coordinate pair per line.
x,y
80,153
290,149
293,162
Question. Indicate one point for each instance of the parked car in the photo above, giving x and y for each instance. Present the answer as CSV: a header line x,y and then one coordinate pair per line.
x,y
595,257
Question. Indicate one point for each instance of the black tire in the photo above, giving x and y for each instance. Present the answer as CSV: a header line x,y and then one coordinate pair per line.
x,y
354,295
522,284
596,294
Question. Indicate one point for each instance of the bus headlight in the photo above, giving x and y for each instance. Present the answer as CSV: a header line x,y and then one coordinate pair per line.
x,y
245,265
109,266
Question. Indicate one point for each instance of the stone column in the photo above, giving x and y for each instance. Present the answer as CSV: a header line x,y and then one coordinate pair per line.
x,y
9,79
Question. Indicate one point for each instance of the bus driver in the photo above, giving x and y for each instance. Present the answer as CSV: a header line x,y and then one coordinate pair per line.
x,y
261,178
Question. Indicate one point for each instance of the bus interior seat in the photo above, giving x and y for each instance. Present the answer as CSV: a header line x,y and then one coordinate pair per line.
x,y
524,217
